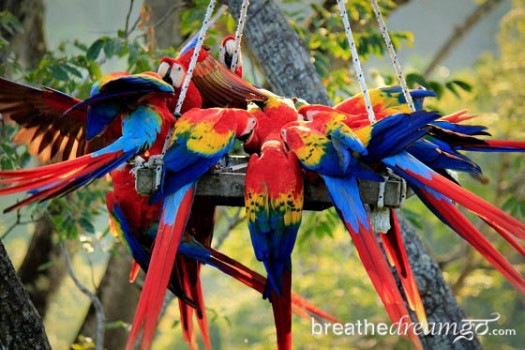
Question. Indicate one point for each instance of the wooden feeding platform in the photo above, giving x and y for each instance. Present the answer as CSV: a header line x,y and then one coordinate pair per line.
x,y
225,185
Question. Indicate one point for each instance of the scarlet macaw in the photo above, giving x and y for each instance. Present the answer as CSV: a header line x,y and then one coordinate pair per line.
x,y
136,222
226,55
145,119
439,151
201,138
217,84
437,192
274,207
328,146
201,222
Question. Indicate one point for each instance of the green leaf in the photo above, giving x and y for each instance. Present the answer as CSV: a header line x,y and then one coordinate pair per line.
x,y
86,225
95,48
59,72
72,70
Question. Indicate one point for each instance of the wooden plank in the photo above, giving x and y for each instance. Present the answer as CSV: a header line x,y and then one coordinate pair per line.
x,y
225,185
227,188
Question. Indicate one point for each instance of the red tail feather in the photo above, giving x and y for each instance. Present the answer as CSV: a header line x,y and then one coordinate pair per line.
x,y
377,268
282,312
198,296
159,271
395,249
505,143
483,209
56,178
186,311
257,282
458,117
186,321
476,239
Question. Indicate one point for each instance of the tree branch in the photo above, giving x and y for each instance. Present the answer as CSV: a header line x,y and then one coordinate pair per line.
x,y
458,34
101,319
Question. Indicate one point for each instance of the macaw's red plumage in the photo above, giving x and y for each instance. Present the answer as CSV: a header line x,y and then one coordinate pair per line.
x,y
397,256
436,191
274,206
174,72
226,55
142,112
274,211
277,112
201,138
385,101
330,147
217,84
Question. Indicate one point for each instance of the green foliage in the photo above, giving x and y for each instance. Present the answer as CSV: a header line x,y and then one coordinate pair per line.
x,y
9,26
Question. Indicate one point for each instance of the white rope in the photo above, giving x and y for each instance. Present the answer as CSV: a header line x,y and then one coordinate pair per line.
x,y
189,73
238,33
357,63
393,57
213,20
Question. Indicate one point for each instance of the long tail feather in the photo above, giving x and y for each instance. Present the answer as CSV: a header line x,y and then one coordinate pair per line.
x,y
177,208
451,215
417,173
345,195
51,181
395,249
496,146
282,312
186,321
257,282
195,291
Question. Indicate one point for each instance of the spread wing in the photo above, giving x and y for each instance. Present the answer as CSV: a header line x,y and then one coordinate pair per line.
x,y
44,129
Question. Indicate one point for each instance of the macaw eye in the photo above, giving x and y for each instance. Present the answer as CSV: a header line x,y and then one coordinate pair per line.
x,y
163,69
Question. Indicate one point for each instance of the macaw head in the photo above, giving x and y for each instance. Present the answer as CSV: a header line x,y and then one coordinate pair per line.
x,y
172,72
294,134
243,120
308,112
226,54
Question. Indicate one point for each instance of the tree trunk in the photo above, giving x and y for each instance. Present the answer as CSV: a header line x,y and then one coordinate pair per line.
x,y
20,324
30,45
291,72
118,298
39,282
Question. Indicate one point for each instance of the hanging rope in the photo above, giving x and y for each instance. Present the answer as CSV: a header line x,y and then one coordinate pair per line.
x,y
189,73
357,63
213,20
393,56
238,33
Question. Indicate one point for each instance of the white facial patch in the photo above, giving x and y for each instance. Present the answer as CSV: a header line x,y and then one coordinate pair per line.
x,y
310,115
163,69
230,46
177,75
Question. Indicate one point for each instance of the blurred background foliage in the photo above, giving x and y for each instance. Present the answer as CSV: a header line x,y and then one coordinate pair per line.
x,y
326,270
